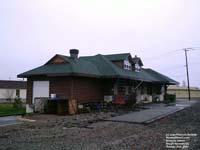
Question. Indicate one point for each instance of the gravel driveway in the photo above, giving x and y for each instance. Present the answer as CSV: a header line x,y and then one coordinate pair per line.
x,y
86,132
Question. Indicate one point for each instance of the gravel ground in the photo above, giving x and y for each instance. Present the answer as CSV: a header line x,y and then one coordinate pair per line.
x,y
89,132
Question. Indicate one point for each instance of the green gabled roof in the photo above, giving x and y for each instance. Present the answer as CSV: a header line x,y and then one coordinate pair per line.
x,y
104,66
96,66
108,69
116,57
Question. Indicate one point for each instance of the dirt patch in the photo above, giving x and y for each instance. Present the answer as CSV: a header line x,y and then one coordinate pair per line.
x,y
41,117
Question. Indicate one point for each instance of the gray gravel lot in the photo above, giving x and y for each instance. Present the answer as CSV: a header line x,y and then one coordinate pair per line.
x,y
86,132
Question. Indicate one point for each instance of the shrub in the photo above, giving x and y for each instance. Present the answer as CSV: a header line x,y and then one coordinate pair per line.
x,y
17,102
171,97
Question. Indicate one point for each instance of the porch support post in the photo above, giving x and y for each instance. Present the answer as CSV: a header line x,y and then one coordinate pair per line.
x,y
165,95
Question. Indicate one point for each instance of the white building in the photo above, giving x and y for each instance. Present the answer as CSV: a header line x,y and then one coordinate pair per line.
x,y
10,89
182,92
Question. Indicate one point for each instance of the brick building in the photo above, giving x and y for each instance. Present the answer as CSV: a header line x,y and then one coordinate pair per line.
x,y
117,78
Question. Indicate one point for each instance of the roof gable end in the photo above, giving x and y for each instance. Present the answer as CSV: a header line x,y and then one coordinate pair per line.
x,y
137,60
58,59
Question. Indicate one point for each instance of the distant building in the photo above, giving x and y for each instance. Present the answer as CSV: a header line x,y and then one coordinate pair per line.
x,y
10,89
182,92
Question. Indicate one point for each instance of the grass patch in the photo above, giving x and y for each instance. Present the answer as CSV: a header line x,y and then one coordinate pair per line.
x,y
8,110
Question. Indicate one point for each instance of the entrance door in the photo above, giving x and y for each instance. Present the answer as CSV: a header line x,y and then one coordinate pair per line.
x,y
40,89
120,98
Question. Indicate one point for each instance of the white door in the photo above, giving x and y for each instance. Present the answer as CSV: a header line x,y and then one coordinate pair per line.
x,y
40,89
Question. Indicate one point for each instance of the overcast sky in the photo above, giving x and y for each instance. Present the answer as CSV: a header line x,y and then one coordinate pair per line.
x,y
32,31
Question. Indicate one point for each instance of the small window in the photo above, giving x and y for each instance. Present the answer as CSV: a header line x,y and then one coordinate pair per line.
x,y
127,65
17,93
137,68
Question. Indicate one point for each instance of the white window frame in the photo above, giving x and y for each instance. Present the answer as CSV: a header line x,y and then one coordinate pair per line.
x,y
127,65
137,67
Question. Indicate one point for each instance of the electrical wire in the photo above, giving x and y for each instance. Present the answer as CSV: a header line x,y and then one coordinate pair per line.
x,y
166,54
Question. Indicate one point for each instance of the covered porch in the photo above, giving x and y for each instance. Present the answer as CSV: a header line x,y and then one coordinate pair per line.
x,y
126,91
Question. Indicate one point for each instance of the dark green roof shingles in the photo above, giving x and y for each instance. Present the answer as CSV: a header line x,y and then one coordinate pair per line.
x,y
160,77
98,66
116,57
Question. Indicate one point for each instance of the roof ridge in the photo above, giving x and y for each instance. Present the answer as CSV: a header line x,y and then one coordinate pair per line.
x,y
116,54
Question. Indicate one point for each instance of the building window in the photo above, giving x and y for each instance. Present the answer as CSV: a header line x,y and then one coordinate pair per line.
x,y
127,65
17,93
137,67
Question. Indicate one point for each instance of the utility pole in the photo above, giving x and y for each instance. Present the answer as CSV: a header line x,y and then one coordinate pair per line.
x,y
188,81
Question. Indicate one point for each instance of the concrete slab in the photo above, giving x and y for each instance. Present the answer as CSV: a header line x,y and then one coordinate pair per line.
x,y
9,120
155,111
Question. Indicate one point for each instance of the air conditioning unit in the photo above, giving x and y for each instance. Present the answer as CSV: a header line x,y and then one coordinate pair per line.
x,y
29,108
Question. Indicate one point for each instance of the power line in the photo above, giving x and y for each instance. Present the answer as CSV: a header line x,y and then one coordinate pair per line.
x,y
163,54
171,52
171,68
186,50
193,48
180,75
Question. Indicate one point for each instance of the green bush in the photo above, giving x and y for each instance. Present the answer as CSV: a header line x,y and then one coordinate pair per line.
x,y
17,103
171,97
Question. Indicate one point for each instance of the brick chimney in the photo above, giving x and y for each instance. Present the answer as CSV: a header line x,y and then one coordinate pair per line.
x,y
74,53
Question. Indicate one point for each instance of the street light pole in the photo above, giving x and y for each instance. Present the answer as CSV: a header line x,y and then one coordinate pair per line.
x,y
188,81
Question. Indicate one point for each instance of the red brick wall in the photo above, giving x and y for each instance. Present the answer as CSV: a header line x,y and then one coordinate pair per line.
x,y
61,87
81,89
87,90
